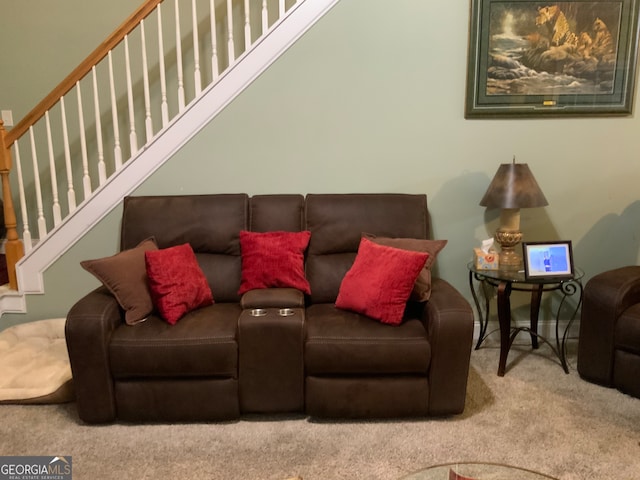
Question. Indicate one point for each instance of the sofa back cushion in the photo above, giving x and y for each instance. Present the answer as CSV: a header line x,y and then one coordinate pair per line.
x,y
211,224
271,213
337,222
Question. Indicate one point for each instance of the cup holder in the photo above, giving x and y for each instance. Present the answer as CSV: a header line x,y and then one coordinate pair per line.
x,y
258,312
286,312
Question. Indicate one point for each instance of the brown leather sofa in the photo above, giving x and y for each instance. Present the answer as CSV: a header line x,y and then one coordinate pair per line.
x,y
219,362
609,343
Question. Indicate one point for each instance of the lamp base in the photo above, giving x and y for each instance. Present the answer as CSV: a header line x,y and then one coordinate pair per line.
x,y
509,259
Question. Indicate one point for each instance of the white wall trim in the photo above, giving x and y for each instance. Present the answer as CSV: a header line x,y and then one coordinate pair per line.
x,y
167,142
11,301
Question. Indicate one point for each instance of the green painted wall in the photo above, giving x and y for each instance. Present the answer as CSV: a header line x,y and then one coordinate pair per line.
x,y
43,41
371,99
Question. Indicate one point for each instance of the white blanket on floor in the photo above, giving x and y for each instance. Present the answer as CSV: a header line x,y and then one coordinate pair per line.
x,y
33,360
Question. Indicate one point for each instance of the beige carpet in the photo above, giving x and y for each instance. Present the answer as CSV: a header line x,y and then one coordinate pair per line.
x,y
535,417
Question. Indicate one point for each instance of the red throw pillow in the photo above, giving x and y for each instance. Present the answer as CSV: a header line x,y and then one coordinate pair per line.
x,y
273,259
176,282
422,288
380,281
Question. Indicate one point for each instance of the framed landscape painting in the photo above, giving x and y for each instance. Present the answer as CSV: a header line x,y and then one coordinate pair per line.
x,y
533,58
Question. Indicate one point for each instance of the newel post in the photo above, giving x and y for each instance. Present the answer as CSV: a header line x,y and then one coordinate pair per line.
x,y
14,250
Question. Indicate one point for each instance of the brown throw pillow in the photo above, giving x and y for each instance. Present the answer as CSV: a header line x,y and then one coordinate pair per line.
x,y
125,275
422,288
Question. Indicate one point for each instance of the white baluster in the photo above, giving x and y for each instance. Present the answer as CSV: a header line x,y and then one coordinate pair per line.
x,y
265,17
230,45
71,194
148,123
102,171
181,101
214,41
57,216
247,26
117,151
26,233
281,8
133,137
86,180
42,224
196,49
164,107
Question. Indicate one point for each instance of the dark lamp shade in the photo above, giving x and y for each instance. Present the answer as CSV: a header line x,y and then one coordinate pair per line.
x,y
513,186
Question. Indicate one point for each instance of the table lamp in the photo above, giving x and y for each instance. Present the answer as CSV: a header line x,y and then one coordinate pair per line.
x,y
513,187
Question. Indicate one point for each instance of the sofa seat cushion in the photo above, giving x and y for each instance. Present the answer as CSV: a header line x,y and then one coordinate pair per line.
x,y
628,330
202,343
340,342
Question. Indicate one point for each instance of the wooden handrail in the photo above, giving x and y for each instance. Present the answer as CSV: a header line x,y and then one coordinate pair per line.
x,y
80,71
14,249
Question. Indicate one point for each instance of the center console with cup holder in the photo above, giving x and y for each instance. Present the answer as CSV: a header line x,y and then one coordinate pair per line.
x,y
271,364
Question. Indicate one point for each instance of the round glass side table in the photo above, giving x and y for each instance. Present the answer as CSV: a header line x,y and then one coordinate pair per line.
x,y
476,471
507,281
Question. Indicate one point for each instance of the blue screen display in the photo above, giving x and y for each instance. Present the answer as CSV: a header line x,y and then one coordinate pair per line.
x,y
548,260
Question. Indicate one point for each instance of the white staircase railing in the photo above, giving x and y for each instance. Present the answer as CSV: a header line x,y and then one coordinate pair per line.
x,y
71,152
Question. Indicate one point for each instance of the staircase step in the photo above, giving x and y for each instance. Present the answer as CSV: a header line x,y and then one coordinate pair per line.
x,y
11,301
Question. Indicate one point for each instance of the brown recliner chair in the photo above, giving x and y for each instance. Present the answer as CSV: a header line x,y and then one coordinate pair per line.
x,y
609,346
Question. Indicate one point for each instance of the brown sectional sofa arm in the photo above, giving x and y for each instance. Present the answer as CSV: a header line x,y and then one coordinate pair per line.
x,y
606,297
88,329
449,321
